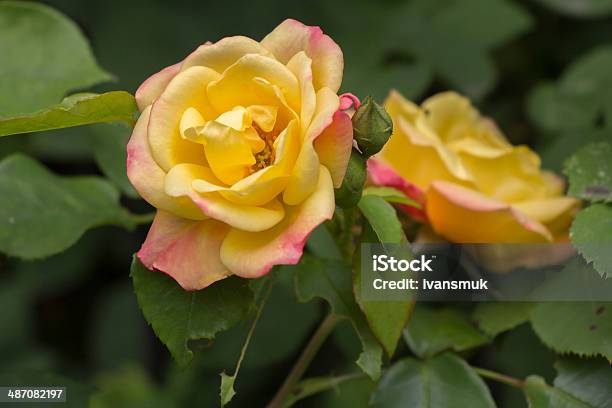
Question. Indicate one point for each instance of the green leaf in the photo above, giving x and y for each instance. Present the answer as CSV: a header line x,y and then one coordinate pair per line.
x,y
316,385
349,394
44,56
590,173
178,316
495,318
574,327
74,110
109,148
443,381
446,37
331,280
36,201
580,8
590,380
387,319
382,217
431,331
227,391
579,99
541,395
591,234
391,195
410,43
322,244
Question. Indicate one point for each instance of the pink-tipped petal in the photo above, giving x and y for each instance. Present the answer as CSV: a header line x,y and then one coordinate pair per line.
x,y
464,215
186,250
291,37
349,101
251,255
384,175
334,146
153,86
148,178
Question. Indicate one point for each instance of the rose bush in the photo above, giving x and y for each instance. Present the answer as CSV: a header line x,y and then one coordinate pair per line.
x,y
474,186
239,147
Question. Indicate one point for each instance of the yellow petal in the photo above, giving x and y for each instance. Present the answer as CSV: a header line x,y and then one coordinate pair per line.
x,y
512,177
225,52
463,215
179,183
556,213
227,151
188,251
238,118
301,66
264,116
291,37
398,106
148,178
190,122
421,160
237,86
253,254
151,88
257,189
187,89
287,148
304,176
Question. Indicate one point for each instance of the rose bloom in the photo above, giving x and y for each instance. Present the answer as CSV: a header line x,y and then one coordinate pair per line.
x,y
475,187
239,147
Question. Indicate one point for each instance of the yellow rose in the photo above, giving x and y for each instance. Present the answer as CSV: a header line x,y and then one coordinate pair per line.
x,y
476,187
239,147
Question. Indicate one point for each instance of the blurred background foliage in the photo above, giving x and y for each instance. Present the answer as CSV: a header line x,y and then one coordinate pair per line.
x,y
541,68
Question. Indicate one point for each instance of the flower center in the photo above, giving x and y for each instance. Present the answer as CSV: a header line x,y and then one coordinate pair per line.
x,y
237,143
266,156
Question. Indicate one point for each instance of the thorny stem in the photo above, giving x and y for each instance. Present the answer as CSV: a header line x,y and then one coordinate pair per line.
x,y
302,363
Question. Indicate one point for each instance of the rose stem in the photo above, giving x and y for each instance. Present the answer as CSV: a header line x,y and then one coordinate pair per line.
x,y
302,363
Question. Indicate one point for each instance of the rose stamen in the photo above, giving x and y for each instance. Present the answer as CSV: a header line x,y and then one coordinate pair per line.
x,y
265,157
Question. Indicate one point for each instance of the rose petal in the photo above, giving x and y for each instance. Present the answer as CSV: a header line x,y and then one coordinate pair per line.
x,y
187,89
153,86
383,175
237,85
291,37
179,181
252,255
303,178
466,216
349,101
557,213
435,161
334,146
148,178
186,250
225,52
512,177
301,66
